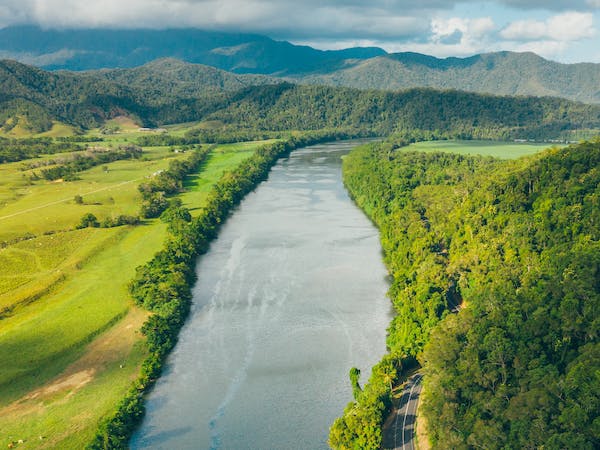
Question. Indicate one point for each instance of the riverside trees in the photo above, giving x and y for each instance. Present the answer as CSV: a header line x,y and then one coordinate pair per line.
x,y
517,242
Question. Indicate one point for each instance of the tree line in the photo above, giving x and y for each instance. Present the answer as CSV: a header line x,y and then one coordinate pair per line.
x,y
167,183
68,170
12,150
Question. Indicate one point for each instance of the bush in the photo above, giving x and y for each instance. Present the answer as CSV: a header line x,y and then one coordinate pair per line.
x,y
88,220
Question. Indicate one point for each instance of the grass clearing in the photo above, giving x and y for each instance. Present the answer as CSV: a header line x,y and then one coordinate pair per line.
x,y
497,149
53,330
64,411
224,157
42,262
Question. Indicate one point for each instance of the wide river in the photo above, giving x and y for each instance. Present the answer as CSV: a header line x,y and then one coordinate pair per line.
x,y
289,297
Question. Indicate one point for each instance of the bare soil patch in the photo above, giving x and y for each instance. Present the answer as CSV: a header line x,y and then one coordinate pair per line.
x,y
110,347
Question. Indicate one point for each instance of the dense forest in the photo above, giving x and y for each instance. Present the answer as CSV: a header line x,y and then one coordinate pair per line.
x,y
495,269
84,101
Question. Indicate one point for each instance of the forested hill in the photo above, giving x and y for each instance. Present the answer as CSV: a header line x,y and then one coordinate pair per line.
x,y
504,73
85,101
309,107
501,73
514,247
520,365
174,77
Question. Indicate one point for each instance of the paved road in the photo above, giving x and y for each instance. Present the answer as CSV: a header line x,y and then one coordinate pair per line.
x,y
401,433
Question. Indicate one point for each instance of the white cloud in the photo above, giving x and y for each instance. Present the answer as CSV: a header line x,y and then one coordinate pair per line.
x,y
566,27
429,26
469,28
458,36
547,49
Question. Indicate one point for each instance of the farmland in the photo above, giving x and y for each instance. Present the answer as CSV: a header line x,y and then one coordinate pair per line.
x,y
64,305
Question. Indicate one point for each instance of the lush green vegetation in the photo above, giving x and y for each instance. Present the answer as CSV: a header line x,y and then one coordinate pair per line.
x,y
512,240
18,149
162,185
520,365
85,102
504,73
513,246
68,169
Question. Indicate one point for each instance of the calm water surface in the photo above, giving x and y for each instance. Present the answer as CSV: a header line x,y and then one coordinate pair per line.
x,y
289,298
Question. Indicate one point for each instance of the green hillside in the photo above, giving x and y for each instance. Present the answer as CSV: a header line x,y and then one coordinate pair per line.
x,y
173,77
154,96
504,73
495,285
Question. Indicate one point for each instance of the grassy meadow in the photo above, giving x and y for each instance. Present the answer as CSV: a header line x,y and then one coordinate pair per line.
x,y
69,336
221,159
497,149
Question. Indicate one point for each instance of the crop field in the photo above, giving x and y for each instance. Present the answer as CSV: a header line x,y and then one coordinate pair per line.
x,y
70,342
497,149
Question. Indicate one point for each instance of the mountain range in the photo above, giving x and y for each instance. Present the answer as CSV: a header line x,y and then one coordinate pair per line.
x,y
170,91
504,73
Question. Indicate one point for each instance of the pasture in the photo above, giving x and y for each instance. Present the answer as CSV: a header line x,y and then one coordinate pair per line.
x,y
497,149
70,342
36,206
223,158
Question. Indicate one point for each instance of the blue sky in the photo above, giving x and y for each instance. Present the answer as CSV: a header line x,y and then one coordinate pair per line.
x,y
561,30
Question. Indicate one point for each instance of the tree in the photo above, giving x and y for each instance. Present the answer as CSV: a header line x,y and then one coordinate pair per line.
x,y
88,220
354,378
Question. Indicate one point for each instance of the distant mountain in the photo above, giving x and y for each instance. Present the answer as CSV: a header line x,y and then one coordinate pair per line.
x,y
504,73
101,48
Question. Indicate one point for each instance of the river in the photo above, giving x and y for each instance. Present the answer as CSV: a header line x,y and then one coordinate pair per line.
x,y
289,297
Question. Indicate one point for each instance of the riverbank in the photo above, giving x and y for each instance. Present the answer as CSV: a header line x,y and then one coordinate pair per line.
x,y
169,300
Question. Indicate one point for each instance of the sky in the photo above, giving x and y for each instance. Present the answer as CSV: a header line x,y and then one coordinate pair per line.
x,y
562,30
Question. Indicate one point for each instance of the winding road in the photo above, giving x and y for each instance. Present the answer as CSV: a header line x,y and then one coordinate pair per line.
x,y
401,433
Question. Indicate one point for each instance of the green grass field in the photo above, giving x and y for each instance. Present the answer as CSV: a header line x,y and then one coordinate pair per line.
x,y
69,341
41,206
497,149
223,158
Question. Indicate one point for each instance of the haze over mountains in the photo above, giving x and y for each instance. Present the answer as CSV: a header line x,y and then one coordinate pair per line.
x,y
504,73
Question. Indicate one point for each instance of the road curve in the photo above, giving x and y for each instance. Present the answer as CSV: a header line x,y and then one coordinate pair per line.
x,y
401,434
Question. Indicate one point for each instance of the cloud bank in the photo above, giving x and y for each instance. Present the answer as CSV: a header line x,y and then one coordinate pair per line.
x,y
431,26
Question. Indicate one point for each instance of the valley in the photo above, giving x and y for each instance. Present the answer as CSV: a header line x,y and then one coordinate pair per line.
x,y
182,242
